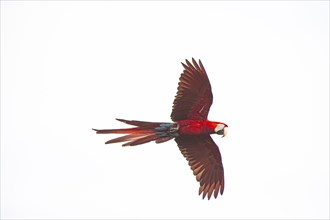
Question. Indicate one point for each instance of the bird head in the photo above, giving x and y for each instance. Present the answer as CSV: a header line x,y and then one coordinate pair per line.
x,y
221,129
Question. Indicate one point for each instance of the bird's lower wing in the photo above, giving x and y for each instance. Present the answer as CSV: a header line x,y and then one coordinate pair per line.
x,y
204,159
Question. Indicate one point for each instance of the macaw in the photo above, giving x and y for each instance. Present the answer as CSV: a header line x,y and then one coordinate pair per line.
x,y
190,129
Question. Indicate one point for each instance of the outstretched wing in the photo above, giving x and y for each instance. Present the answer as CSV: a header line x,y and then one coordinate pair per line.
x,y
204,159
194,96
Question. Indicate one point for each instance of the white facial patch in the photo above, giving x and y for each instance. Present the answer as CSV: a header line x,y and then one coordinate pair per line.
x,y
219,127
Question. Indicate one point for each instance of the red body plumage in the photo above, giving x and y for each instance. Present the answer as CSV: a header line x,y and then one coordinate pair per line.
x,y
197,127
190,129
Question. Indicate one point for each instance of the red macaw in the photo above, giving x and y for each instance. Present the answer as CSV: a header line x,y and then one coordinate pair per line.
x,y
190,129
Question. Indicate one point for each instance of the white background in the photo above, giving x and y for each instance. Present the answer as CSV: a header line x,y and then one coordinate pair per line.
x,y
67,67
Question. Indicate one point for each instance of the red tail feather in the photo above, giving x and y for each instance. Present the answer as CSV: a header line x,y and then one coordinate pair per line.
x,y
119,131
143,133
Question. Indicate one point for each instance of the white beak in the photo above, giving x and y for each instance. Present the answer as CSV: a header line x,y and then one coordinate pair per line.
x,y
224,132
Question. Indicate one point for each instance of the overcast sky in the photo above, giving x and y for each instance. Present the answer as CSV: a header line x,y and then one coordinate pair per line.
x,y
68,67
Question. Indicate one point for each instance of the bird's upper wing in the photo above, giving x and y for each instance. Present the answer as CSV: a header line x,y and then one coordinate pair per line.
x,y
204,159
194,96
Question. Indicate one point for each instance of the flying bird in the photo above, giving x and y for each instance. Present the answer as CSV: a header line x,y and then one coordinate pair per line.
x,y
190,129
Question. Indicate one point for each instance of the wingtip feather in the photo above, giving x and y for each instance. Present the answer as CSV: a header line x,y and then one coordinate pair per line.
x,y
121,120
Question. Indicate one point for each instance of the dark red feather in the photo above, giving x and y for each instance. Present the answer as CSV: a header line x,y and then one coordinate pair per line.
x,y
204,159
194,96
